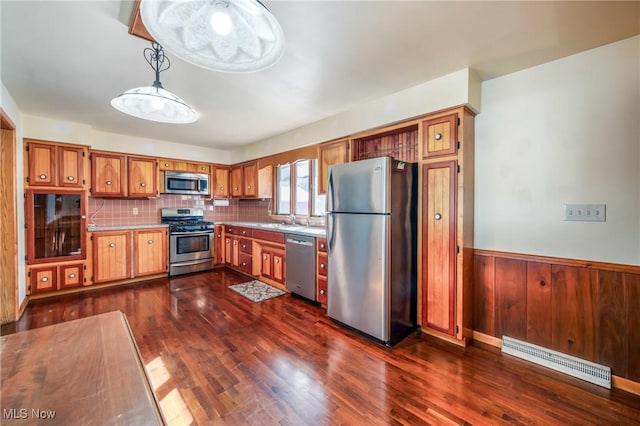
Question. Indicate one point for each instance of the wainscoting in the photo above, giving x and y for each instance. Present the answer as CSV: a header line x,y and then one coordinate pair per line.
x,y
586,309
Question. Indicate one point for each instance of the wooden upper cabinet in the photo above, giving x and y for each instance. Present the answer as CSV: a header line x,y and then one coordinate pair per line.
x,y
150,248
107,175
143,177
440,136
439,246
236,181
265,182
250,179
331,153
183,166
55,165
221,182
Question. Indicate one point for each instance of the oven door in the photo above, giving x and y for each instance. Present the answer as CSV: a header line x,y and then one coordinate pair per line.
x,y
189,246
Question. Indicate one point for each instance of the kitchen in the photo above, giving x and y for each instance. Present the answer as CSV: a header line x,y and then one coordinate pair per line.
x,y
500,235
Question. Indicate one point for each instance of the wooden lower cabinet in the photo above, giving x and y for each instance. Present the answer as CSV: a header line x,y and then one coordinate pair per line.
x,y
150,248
219,250
49,278
439,246
321,271
272,264
111,256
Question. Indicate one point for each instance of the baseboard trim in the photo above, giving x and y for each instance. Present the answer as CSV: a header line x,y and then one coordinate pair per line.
x,y
617,382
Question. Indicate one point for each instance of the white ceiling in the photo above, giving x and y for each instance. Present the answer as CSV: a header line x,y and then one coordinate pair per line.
x,y
67,59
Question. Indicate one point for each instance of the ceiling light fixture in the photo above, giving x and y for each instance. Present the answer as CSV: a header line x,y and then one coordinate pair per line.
x,y
154,102
220,35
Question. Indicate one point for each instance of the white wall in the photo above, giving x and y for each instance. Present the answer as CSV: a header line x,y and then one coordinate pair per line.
x,y
83,134
458,88
563,132
11,109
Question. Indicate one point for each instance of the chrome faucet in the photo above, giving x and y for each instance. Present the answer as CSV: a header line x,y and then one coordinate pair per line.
x,y
307,221
293,219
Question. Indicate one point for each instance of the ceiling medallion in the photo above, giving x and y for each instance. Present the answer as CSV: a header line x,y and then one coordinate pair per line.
x,y
234,36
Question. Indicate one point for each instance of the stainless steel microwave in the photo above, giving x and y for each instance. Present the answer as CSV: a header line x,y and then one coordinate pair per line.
x,y
186,183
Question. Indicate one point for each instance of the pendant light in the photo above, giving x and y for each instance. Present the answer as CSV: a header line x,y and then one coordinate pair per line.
x,y
154,102
232,36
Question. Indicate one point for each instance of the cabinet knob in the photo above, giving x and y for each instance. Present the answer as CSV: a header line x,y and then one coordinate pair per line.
x,y
438,216
235,243
244,232
248,186
322,266
235,188
149,241
203,168
219,236
72,275
322,245
265,257
108,182
542,283
438,136
227,241
71,178
323,291
112,245
44,279
166,164
143,184
244,246
277,260
42,176
222,188
244,263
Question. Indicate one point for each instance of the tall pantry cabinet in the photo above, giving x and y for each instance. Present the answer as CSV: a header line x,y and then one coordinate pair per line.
x,y
446,153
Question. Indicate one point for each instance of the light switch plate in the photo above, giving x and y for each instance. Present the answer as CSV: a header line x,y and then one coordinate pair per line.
x,y
585,212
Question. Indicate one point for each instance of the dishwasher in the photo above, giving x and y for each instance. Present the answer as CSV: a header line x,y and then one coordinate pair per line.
x,y
301,265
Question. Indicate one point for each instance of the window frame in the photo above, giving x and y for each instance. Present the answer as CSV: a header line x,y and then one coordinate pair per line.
x,y
313,179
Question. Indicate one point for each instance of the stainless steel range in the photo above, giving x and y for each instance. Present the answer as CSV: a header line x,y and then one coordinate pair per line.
x,y
191,240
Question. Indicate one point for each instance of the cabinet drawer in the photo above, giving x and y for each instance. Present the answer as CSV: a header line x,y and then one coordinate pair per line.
x,y
238,230
322,290
322,245
322,264
71,275
245,263
43,279
245,245
273,236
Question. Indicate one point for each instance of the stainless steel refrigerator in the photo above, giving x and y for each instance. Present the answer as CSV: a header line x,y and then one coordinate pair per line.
x,y
372,246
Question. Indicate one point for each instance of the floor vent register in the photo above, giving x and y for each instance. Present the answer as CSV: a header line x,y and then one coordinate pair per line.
x,y
576,367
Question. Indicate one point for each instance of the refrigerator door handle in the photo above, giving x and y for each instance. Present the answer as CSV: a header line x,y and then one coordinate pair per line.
x,y
329,199
331,233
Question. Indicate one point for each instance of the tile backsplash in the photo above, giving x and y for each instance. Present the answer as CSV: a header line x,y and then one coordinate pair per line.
x,y
116,212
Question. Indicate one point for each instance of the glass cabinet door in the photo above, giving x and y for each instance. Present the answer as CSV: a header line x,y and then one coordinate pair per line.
x,y
55,225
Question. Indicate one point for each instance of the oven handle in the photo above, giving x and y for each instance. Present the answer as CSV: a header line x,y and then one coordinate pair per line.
x,y
195,234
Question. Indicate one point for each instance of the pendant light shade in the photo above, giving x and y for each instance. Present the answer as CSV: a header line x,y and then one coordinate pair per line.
x,y
220,35
154,102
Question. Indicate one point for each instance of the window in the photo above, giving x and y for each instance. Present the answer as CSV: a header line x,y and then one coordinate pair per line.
x,y
283,189
302,198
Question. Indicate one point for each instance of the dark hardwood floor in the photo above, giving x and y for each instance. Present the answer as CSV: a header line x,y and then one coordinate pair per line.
x,y
215,357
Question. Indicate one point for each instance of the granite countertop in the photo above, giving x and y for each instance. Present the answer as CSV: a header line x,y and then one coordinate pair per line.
x,y
125,227
313,231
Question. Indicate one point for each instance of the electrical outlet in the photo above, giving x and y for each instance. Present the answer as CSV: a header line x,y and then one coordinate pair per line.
x,y
585,212
135,210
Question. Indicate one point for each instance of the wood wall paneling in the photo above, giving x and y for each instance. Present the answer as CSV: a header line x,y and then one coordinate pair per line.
x,y
511,297
484,294
401,144
539,304
611,320
574,303
632,282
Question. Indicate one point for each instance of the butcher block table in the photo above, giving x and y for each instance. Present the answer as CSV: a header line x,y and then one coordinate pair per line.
x,y
82,372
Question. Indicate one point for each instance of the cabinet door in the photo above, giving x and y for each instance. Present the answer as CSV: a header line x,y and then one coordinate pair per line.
x,y
107,173
165,165
150,248
236,181
322,264
70,167
221,182
220,245
111,256
265,182
278,266
43,279
250,176
71,275
235,253
228,251
321,297
439,136
438,246
202,168
266,261
329,154
42,159
142,177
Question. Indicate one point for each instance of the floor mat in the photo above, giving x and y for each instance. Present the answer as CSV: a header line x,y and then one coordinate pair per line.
x,y
256,291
